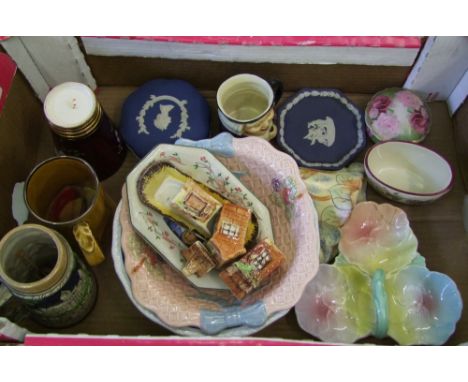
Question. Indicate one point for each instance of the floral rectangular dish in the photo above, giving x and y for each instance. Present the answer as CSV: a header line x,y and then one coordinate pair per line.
x,y
201,166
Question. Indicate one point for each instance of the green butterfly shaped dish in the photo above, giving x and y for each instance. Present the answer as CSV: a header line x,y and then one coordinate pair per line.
x,y
379,285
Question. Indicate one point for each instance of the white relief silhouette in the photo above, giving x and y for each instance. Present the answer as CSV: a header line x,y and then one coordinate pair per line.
x,y
322,131
163,119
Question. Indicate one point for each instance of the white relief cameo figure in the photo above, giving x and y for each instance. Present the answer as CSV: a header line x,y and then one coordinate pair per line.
x,y
322,131
163,119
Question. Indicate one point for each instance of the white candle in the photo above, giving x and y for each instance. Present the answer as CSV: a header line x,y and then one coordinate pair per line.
x,y
69,104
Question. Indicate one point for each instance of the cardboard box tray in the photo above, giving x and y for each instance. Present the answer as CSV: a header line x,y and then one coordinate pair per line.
x,y
438,227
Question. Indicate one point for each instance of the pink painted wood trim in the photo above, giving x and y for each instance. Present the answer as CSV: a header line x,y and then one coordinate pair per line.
x,y
336,41
44,340
7,74
6,339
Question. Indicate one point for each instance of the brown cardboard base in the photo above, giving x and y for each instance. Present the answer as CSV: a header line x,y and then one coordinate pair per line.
x,y
438,227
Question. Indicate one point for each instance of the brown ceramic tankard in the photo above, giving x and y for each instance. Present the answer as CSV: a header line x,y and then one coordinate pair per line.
x,y
64,193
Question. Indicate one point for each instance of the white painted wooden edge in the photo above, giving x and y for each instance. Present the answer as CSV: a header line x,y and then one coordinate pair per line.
x,y
16,49
244,53
49,61
440,67
418,65
459,94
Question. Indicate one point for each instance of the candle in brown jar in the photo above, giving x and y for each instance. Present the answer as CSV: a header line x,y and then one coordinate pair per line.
x,y
81,128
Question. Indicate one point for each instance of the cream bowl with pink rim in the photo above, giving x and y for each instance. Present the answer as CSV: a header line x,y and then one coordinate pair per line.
x,y
407,172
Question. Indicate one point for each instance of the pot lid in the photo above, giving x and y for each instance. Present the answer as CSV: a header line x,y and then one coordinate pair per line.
x,y
162,111
397,114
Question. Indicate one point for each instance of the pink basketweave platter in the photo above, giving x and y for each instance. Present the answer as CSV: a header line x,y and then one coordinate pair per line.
x,y
164,295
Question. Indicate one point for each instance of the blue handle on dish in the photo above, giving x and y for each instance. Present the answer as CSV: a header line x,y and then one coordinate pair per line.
x,y
221,144
212,322
379,298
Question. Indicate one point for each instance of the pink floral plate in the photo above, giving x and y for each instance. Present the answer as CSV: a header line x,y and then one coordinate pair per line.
x,y
275,180
397,114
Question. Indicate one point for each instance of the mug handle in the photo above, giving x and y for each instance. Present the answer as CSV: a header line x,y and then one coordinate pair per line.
x,y
269,134
277,87
89,246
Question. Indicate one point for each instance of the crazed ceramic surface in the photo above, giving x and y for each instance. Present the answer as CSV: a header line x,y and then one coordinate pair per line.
x,y
206,169
160,289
